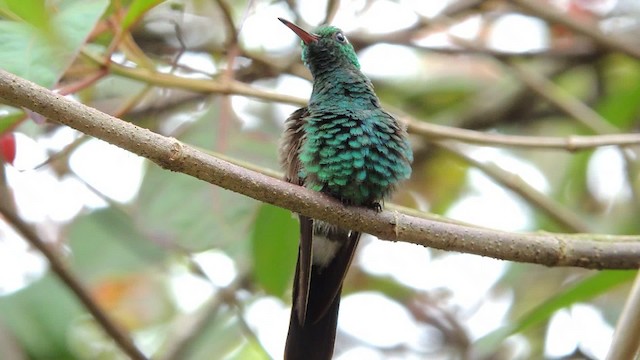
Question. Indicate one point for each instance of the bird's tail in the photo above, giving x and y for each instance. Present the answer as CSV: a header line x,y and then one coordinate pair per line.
x,y
312,327
312,340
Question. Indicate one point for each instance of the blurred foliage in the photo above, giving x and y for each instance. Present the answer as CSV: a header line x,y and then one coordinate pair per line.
x,y
130,255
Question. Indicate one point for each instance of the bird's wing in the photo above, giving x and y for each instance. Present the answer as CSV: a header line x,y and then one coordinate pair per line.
x,y
290,145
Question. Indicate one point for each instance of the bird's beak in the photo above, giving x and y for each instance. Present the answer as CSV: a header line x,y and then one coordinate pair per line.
x,y
306,37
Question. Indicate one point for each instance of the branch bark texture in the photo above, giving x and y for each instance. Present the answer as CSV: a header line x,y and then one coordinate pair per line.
x,y
583,250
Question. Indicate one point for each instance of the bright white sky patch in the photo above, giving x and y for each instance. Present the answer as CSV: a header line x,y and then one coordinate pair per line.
x,y
467,28
269,319
359,353
114,172
396,259
456,272
581,325
490,315
595,333
386,16
19,263
262,30
377,320
313,11
561,338
183,282
606,177
426,8
519,33
491,205
219,268
522,168
494,207
384,60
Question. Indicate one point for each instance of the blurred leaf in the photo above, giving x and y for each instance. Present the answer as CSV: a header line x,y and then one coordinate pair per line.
x,y
136,10
87,340
573,190
10,118
42,56
195,215
581,291
222,336
106,243
423,98
275,245
135,301
621,106
34,12
358,280
249,351
40,317
440,178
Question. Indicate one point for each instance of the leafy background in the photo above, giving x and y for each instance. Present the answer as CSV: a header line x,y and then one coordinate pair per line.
x,y
193,271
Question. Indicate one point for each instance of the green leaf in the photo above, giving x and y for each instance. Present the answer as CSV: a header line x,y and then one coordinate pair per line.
x,y
136,10
42,54
32,11
275,245
40,317
107,243
581,291
620,106
193,214
9,118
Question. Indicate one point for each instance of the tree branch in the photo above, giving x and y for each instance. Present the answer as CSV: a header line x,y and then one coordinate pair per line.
x,y
414,126
547,12
569,220
626,339
58,267
586,250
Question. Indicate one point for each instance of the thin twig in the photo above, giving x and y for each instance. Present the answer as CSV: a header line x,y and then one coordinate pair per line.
x,y
190,332
568,143
546,11
566,218
332,10
583,250
428,130
562,100
58,267
232,299
626,339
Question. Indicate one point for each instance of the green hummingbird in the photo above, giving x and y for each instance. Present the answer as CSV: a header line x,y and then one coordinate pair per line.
x,y
344,145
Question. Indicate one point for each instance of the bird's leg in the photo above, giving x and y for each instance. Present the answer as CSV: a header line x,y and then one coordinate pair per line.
x,y
376,206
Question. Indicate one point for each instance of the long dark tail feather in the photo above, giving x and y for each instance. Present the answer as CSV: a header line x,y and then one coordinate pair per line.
x,y
313,341
313,336
303,268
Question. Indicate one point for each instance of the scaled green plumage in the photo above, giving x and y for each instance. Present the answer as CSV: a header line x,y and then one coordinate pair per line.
x,y
354,150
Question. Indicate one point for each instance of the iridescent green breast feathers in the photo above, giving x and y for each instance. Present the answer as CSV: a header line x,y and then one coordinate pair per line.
x,y
351,148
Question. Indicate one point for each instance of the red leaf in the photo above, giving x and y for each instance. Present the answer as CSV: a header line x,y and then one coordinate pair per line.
x,y
8,147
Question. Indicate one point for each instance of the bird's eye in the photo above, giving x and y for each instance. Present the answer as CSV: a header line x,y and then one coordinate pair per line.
x,y
340,37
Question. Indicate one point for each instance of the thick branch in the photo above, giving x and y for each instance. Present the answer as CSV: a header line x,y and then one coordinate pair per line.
x,y
586,250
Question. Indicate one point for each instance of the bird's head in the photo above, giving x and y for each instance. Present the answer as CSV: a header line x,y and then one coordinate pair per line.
x,y
325,49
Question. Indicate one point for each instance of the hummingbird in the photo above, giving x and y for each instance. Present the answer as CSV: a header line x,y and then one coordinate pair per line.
x,y
344,145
